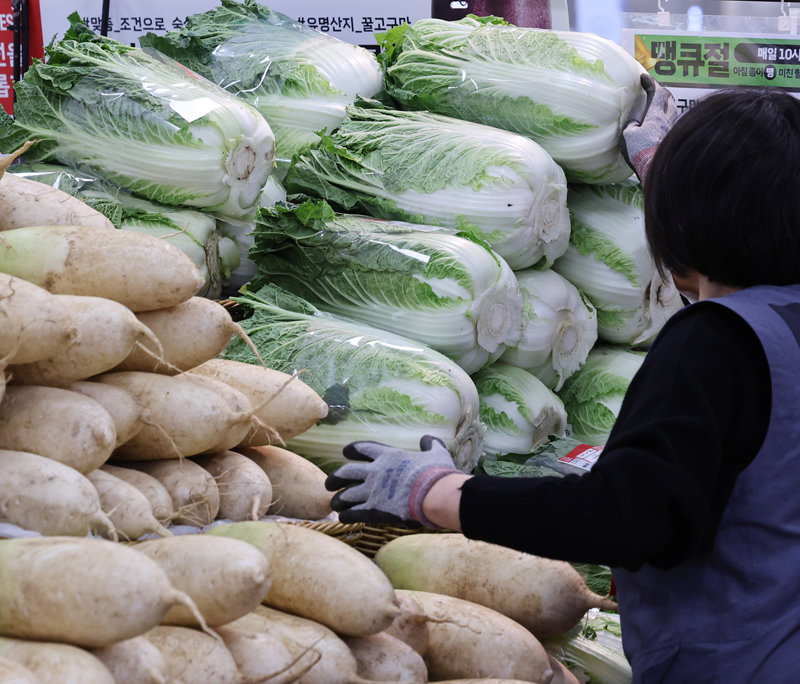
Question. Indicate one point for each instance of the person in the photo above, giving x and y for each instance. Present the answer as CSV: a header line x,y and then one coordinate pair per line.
x,y
694,500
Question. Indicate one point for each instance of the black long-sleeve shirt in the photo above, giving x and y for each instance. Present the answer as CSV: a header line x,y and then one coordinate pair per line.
x,y
693,418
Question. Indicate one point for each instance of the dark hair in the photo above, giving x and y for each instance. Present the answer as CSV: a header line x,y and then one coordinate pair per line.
x,y
722,195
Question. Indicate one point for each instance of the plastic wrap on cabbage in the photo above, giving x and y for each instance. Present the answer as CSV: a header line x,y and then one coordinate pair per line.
x,y
298,78
569,91
443,290
608,259
426,168
520,413
193,232
593,395
379,386
142,121
559,327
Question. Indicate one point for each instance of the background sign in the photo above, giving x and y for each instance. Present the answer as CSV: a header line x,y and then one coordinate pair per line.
x,y
692,65
6,55
353,21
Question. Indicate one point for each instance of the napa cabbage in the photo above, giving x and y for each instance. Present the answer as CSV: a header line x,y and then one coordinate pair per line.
x,y
593,395
426,168
609,261
298,78
443,290
378,385
559,327
520,413
593,650
570,91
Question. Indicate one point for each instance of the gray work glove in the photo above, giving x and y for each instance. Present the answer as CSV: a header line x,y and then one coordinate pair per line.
x,y
384,484
647,127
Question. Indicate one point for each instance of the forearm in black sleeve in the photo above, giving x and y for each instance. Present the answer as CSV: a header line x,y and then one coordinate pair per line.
x,y
657,492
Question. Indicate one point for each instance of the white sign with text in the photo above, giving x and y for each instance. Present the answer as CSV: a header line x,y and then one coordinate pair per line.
x,y
354,21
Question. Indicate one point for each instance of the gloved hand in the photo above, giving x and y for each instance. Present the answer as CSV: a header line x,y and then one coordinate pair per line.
x,y
384,484
648,126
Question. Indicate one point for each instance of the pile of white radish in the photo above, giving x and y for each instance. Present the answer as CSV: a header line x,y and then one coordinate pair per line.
x,y
143,481
109,372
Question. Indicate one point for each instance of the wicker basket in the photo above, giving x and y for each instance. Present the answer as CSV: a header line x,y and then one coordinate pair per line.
x,y
366,538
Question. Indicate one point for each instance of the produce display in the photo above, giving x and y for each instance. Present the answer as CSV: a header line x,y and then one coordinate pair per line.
x,y
165,134
463,260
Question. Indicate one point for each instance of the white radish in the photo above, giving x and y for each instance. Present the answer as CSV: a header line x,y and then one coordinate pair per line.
x,y
262,657
103,333
326,658
193,657
284,404
547,596
245,491
319,577
27,202
129,509
138,270
66,426
298,485
32,326
157,495
226,578
128,413
470,640
133,661
12,672
194,492
561,674
386,658
411,625
56,662
238,403
187,418
81,591
45,496
190,333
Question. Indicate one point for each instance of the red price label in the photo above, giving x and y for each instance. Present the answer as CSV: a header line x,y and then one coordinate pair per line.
x,y
34,44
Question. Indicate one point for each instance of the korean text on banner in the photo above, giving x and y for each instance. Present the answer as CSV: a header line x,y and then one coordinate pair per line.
x,y
692,65
354,21
34,39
